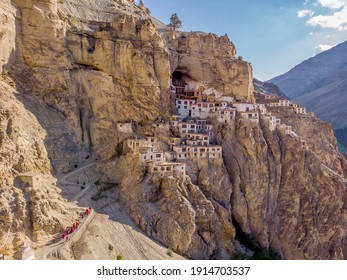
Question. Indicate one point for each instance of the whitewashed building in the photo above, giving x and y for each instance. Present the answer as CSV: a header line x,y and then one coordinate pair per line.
x,y
243,106
300,110
197,139
136,144
165,169
270,96
187,127
261,108
274,122
183,107
24,253
281,103
252,115
202,109
226,115
150,154
174,142
174,120
194,152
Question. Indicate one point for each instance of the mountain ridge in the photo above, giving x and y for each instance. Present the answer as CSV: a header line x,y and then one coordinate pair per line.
x,y
320,84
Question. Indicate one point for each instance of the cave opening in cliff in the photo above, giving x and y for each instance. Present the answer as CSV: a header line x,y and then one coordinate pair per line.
x,y
181,75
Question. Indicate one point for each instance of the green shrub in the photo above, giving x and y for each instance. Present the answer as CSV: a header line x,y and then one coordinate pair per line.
x,y
120,258
104,187
169,253
102,27
4,72
74,21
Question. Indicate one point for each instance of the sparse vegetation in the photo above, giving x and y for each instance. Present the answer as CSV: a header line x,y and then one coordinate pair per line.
x,y
102,27
240,57
120,258
74,21
175,22
251,244
169,252
4,72
104,187
241,257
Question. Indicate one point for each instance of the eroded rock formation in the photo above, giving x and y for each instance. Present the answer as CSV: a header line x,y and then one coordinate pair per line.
x,y
81,71
209,58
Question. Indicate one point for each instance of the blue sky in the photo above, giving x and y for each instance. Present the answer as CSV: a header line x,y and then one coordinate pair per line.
x,y
273,35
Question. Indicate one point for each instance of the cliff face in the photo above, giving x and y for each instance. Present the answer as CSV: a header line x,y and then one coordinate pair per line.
x,y
191,216
81,70
282,195
268,187
28,212
209,58
94,78
7,33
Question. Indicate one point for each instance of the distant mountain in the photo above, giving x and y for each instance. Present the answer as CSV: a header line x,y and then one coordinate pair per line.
x,y
320,84
321,70
268,88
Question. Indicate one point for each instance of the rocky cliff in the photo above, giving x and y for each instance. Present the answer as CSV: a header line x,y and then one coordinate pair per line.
x,y
31,212
82,67
209,58
281,194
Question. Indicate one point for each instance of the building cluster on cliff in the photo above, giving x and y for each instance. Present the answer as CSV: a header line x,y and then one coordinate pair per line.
x,y
196,107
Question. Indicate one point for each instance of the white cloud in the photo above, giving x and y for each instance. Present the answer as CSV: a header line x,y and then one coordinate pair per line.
x,y
322,48
337,20
304,13
333,4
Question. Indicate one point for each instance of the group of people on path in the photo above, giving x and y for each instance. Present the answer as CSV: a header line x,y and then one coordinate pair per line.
x,y
76,225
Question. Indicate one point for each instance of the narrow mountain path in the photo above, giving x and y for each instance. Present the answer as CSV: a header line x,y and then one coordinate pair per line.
x,y
344,180
44,252
64,180
336,174
58,243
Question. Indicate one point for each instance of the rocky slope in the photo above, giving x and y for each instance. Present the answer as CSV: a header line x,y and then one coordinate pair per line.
x,y
83,66
28,213
268,88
